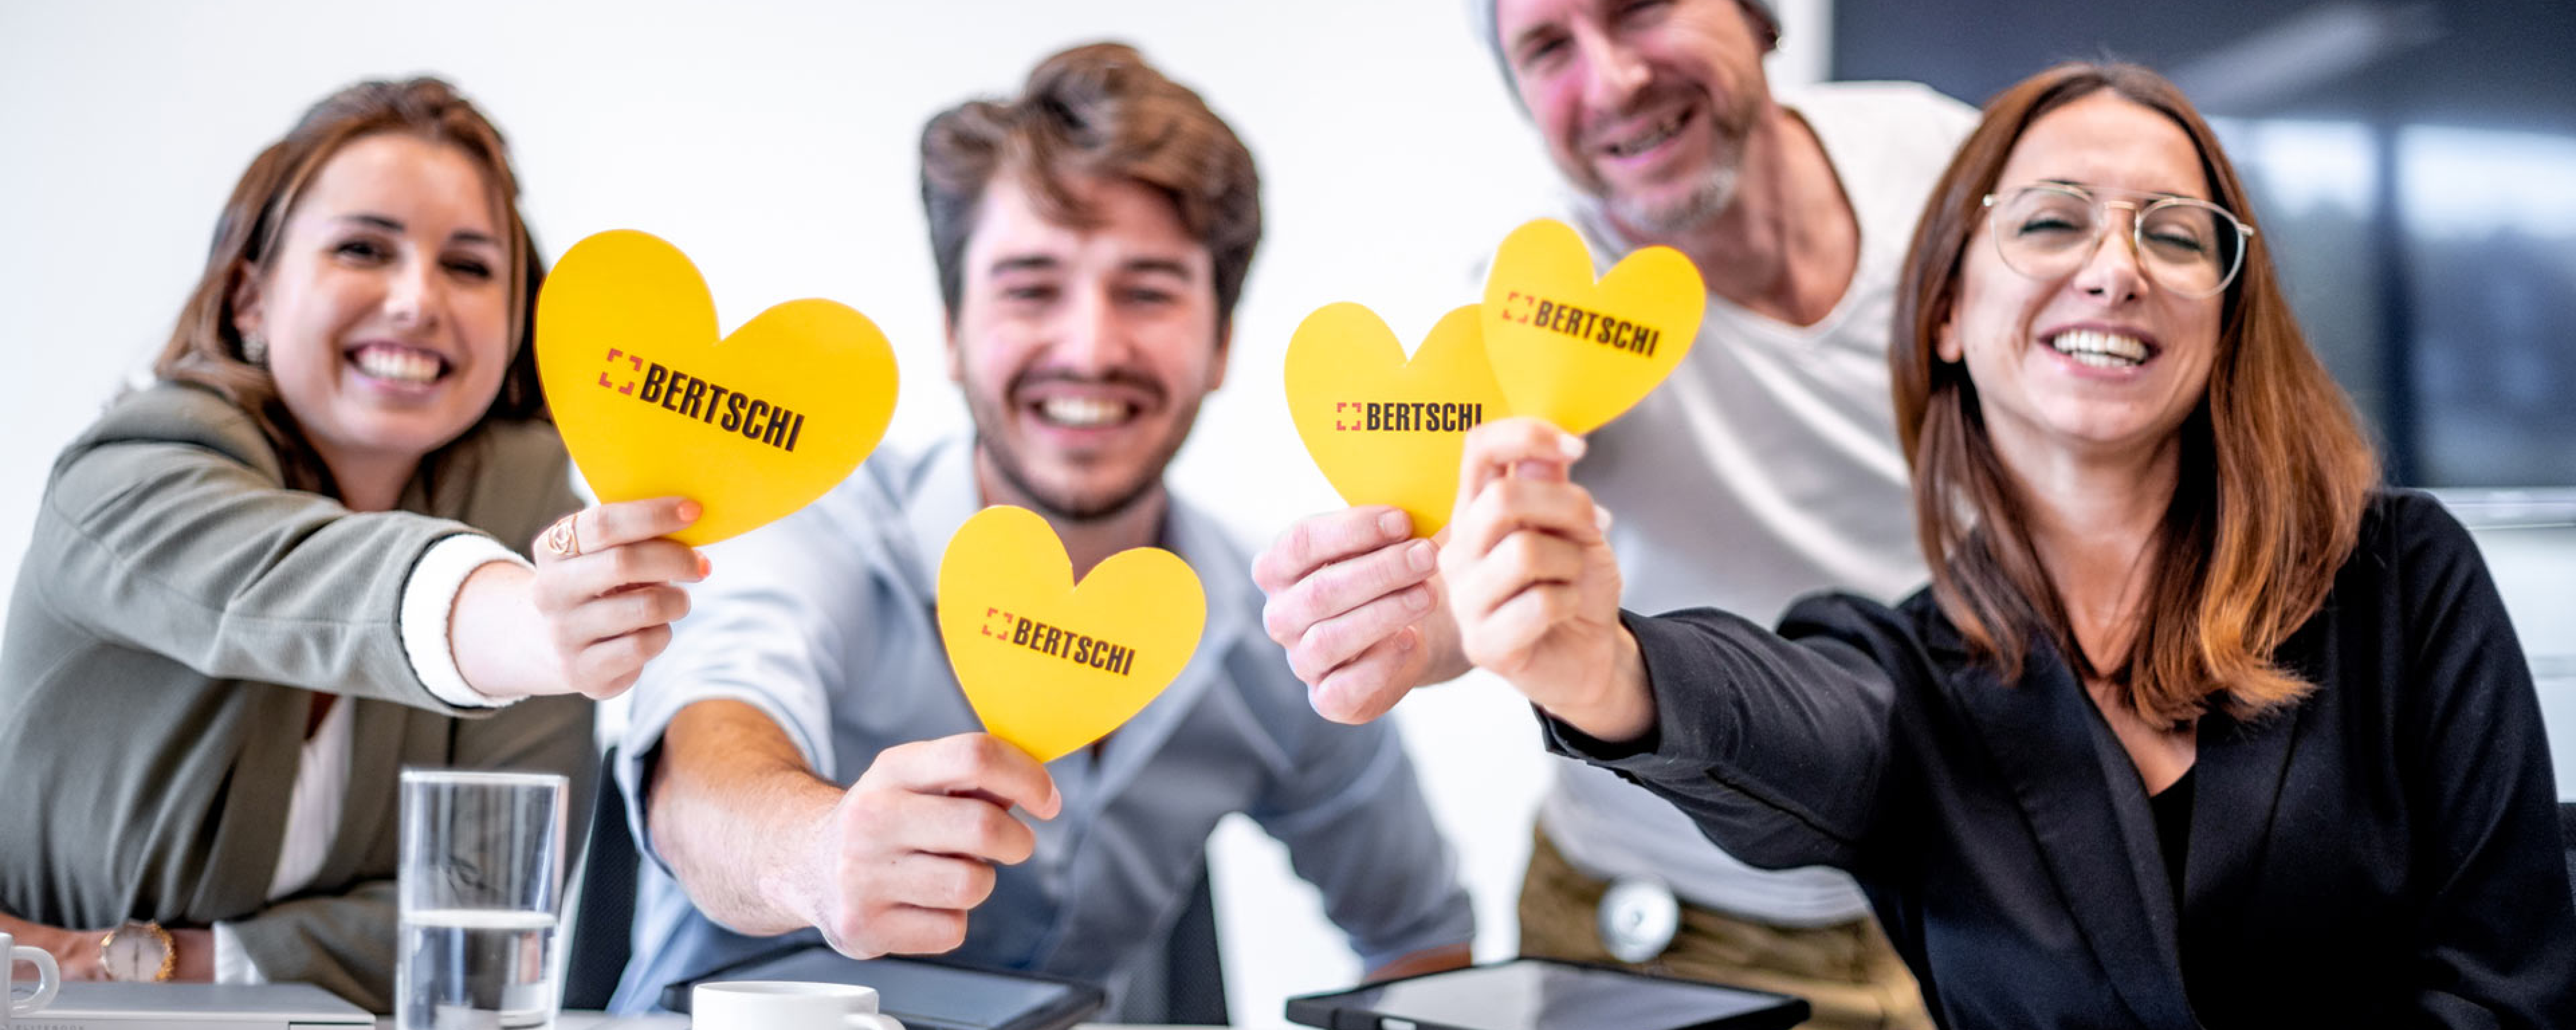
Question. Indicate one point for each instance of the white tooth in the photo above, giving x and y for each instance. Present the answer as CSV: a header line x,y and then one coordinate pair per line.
x,y
1647,140
398,365
2087,341
1083,412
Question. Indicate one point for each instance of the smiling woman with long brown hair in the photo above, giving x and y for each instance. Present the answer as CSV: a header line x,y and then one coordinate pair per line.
x,y
265,583
2196,726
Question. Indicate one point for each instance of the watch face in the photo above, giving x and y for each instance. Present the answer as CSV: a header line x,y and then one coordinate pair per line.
x,y
133,955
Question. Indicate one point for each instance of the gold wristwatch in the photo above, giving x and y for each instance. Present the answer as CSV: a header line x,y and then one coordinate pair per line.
x,y
138,953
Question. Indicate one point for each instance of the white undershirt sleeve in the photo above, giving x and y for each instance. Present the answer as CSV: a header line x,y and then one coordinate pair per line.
x,y
429,598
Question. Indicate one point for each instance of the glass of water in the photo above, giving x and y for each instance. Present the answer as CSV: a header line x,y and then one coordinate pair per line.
x,y
482,882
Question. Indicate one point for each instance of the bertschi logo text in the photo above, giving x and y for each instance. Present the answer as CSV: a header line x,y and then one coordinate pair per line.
x,y
1057,642
729,410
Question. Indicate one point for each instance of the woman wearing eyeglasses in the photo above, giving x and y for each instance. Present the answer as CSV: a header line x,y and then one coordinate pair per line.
x,y
2195,726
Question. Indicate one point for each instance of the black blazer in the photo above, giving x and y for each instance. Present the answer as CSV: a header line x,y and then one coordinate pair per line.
x,y
2384,854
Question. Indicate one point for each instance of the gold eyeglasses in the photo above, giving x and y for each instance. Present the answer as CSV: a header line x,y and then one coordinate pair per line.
x,y
2048,230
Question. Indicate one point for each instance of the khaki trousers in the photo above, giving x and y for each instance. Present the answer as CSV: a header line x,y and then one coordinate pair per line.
x,y
1848,971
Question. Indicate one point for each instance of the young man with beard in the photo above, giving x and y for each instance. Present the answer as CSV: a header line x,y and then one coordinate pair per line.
x,y
1766,468
802,759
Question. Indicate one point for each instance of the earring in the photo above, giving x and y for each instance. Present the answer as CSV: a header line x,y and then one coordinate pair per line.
x,y
255,349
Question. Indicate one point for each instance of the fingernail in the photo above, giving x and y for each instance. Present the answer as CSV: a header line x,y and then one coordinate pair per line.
x,y
1395,524
1601,518
690,510
1418,599
1571,445
704,566
1405,639
1421,556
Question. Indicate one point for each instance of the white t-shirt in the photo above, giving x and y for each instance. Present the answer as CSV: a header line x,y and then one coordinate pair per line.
x,y
1766,468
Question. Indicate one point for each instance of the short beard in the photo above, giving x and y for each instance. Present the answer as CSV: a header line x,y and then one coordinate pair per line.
x,y
1693,210
1068,507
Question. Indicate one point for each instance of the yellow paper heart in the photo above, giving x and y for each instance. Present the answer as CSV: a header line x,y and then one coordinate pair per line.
x,y
1385,430
1050,666
652,404
1578,352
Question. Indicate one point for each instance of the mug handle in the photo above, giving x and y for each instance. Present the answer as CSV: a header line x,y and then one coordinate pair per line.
x,y
47,984
870,1021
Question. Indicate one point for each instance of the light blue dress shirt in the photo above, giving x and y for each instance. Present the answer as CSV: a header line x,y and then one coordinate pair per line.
x,y
825,621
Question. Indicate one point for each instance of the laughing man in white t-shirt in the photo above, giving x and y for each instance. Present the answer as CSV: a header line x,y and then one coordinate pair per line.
x,y
1765,468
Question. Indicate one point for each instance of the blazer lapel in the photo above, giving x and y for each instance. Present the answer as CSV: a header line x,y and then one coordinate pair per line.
x,y
378,738
252,826
2082,801
2241,768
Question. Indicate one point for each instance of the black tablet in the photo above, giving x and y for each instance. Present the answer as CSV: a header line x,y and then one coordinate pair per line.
x,y
1544,994
924,994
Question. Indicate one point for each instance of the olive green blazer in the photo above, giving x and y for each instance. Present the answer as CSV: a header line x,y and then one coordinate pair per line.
x,y
177,609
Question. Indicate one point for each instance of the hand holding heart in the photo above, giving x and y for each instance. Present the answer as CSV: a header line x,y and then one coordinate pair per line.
x,y
598,605
1355,603
1535,586
909,849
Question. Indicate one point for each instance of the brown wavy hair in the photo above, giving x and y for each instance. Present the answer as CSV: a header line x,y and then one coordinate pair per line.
x,y
205,349
2274,469
1095,110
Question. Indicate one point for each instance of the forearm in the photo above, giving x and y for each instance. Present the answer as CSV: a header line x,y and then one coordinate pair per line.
x,y
77,952
1774,745
737,814
497,635
74,951
1621,705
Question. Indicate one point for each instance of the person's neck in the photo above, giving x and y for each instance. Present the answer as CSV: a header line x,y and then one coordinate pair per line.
x,y
1087,542
1787,243
2093,518
367,482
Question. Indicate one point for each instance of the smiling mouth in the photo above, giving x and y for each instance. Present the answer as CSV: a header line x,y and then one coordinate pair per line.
x,y
395,363
1085,412
1652,136
2098,349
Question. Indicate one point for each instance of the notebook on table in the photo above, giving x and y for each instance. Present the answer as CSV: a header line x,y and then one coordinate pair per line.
x,y
90,1005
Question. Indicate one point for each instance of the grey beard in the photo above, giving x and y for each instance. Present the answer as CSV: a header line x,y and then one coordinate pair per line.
x,y
1692,211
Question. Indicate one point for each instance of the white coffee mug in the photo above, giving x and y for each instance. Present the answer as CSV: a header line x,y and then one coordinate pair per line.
x,y
49,979
786,1005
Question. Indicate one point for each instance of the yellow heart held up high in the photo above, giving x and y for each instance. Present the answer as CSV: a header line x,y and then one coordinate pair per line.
x,y
1383,429
651,404
1050,666
1579,352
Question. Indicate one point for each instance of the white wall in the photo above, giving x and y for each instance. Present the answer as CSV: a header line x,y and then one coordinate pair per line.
x,y
775,144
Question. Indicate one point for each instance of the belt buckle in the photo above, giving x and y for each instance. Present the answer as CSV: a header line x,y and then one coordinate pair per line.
x,y
1638,917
